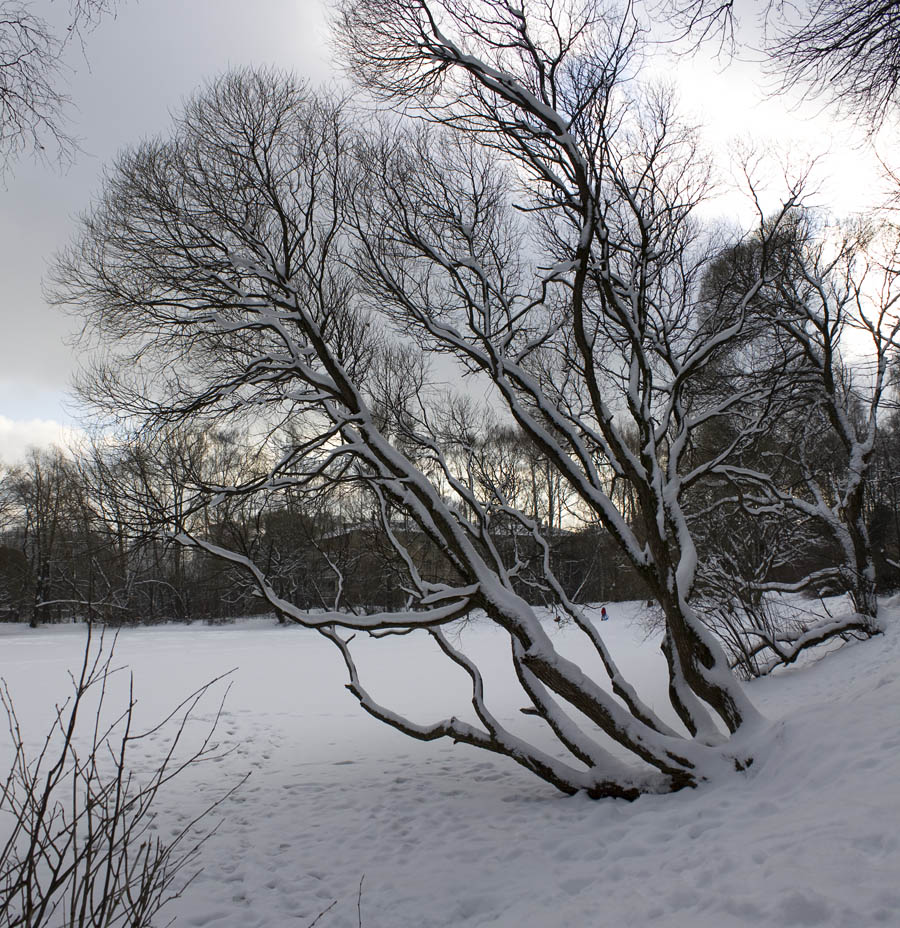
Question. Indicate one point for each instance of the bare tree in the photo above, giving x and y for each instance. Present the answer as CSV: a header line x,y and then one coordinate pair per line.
x,y
845,50
32,103
885,504
271,266
138,483
42,496
836,299
701,20
742,554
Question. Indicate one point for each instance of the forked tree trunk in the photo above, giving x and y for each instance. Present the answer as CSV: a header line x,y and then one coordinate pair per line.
x,y
862,588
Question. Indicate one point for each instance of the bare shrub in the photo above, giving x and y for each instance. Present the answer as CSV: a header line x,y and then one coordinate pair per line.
x,y
79,823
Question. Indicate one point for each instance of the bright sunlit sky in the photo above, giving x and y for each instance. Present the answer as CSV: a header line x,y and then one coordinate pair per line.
x,y
139,66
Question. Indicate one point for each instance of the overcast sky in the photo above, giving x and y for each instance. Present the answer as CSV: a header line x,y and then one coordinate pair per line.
x,y
142,63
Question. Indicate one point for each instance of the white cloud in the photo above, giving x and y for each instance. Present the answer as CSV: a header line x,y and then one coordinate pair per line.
x,y
17,436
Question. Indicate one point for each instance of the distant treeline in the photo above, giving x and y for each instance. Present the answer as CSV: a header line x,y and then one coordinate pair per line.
x,y
91,536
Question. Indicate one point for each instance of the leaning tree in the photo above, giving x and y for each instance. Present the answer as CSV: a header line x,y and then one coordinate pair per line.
x,y
830,303
838,303
283,264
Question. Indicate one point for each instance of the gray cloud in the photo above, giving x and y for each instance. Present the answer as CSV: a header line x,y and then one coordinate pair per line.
x,y
138,68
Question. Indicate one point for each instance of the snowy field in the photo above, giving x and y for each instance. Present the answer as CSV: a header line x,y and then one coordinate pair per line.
x,y
449,836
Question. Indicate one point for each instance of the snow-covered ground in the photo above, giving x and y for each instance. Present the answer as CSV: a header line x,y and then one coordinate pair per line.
x,y
448,836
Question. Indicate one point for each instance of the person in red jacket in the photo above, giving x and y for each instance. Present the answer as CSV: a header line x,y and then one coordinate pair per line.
x,y
603,615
